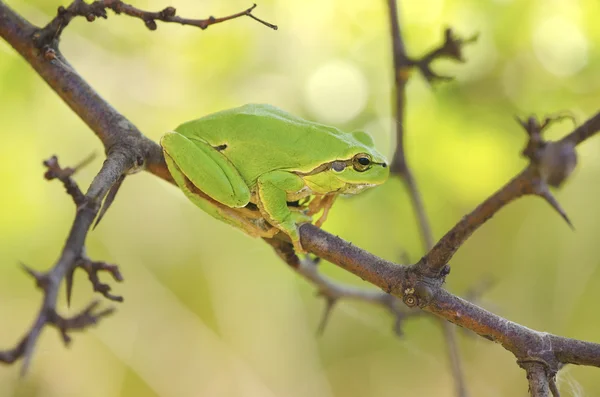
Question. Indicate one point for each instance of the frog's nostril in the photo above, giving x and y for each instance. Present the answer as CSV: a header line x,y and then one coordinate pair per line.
x,y
384,165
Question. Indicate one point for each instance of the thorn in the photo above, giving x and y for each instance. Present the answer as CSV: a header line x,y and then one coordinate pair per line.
x,y
65,337
546,195
329,303
25,366
109,199
69,285
85,162
40,278
398,326
404,257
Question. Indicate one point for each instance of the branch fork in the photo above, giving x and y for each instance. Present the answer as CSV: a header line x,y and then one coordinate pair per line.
x,y
73,257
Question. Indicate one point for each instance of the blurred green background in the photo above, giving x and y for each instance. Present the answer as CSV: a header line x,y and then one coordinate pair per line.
x,y
211,312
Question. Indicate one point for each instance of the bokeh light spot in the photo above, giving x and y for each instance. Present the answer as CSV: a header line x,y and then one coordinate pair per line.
x,y
560,46
336,92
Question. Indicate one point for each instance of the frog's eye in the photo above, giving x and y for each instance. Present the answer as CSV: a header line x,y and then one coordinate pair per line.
x,y
361,162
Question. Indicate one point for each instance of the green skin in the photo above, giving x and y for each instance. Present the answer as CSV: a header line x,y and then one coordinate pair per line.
x,y
245,165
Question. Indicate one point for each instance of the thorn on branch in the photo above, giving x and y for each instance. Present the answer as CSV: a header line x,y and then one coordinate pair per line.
x,y
543,192
451,49
41,279
110,197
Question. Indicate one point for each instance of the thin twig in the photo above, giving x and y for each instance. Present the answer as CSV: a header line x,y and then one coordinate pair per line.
x,y
97,9
402,64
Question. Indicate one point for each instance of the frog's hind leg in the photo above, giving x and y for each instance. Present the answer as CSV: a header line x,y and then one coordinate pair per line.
x,y
207,168
273,188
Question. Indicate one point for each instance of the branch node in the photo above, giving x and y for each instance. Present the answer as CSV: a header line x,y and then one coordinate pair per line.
x,y
150,24
168,12
555,161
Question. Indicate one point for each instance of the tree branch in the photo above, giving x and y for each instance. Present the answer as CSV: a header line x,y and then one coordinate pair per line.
x,y
127,150
87,208
332,291
417,289
551,163
97,9
418,285
402,66
537,376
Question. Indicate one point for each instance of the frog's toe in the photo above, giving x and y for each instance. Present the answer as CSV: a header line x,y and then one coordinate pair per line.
x,y
298,248
300,217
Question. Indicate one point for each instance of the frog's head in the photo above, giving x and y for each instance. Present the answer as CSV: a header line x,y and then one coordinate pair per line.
x,y
353,165
366,168
363,165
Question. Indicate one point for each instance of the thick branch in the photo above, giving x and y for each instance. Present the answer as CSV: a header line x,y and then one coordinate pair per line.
x,y
427,293
573,351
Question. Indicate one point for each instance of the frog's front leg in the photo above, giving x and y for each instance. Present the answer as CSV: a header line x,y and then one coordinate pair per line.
x,y
273,188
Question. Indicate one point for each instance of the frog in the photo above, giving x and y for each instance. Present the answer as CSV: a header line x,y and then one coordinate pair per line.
x,y
266,171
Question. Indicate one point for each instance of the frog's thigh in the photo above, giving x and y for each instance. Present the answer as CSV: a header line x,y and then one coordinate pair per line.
x,y
272,192
208,169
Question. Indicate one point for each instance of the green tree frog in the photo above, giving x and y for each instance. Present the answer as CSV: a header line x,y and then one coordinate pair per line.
x,y
266,171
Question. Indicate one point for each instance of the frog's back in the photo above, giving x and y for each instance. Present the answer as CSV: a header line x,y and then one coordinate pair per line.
x,y
259,138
